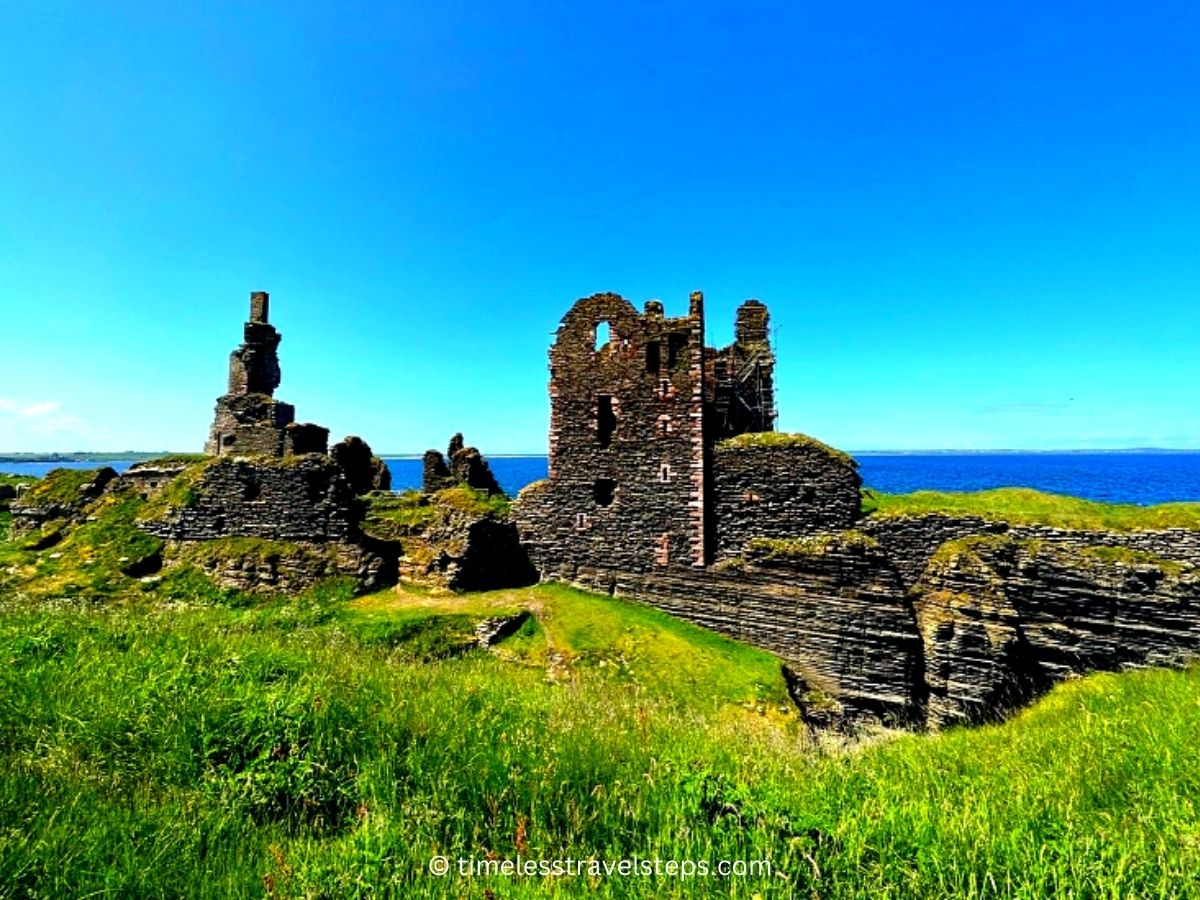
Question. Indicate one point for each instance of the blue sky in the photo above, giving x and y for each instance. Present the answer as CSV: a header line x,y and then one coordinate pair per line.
x,y
976,225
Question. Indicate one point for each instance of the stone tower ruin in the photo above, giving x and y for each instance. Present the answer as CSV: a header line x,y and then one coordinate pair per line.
x,y
249,421
645,468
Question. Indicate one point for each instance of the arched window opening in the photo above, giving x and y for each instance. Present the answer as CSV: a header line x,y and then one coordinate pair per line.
x,y
603,335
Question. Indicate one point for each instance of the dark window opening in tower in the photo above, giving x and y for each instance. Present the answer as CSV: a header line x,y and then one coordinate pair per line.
x,y
653,357
676,347
606,420
603,491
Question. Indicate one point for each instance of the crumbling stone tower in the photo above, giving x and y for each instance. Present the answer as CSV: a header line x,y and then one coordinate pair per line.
x,y
249,421
740,379
636,403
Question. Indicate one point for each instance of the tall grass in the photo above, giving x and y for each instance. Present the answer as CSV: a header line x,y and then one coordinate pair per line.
x,y
299,749
1025,506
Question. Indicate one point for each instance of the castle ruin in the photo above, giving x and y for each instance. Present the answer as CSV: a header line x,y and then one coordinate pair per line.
x,y
662,449
668,485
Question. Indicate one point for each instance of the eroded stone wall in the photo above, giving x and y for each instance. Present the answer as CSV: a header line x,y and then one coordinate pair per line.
x,y
627,473
780,490
307,501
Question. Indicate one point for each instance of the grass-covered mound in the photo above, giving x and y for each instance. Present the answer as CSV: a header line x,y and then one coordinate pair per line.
x,y
754,439
1025,506
324,748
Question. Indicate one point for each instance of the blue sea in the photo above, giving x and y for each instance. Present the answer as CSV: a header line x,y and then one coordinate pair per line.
x,y
1125,477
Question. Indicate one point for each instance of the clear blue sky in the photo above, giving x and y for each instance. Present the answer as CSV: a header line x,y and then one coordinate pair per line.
x,y
976,225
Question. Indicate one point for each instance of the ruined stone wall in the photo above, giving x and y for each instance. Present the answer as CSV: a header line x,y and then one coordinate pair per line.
x,y
780,490
302,514
627,474
301,499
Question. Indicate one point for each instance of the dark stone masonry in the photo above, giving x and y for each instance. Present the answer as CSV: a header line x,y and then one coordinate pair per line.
x,y
249,420
668,484
282,507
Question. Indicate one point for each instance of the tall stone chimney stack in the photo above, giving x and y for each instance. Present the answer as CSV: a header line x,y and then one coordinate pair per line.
x,y
260,307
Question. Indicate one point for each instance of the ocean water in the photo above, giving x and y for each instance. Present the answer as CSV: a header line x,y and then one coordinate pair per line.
x,y
1129,477
1144,478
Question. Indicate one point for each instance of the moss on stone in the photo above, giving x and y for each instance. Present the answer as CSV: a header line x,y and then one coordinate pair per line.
x,y
813,546
468,500
954,552
533,489
181,492
60,487
1127,556
781,439
258,550
88,560
174,459
395,516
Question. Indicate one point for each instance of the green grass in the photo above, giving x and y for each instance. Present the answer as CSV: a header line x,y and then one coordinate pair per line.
x,y
89,560
59,486
396,516
783,439
1024,506
179,739
174,458
573,631
466,499
300,749
392,516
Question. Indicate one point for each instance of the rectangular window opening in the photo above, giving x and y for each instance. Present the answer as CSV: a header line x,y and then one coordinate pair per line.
x,y
653,357
604,490
606,420
676,350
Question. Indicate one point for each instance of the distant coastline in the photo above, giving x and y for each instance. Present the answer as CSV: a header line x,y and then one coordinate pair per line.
x,y
140,455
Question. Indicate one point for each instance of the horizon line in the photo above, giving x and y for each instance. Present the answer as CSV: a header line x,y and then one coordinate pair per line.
x,y
67,455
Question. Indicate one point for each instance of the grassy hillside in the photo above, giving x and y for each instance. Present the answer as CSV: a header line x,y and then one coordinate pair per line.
x,y
1024,506
163,737
329,748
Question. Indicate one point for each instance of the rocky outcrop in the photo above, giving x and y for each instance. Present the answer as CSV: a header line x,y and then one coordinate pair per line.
x,y
364,471
257,565
61,496
465,466
911,541
1002,618
456,538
